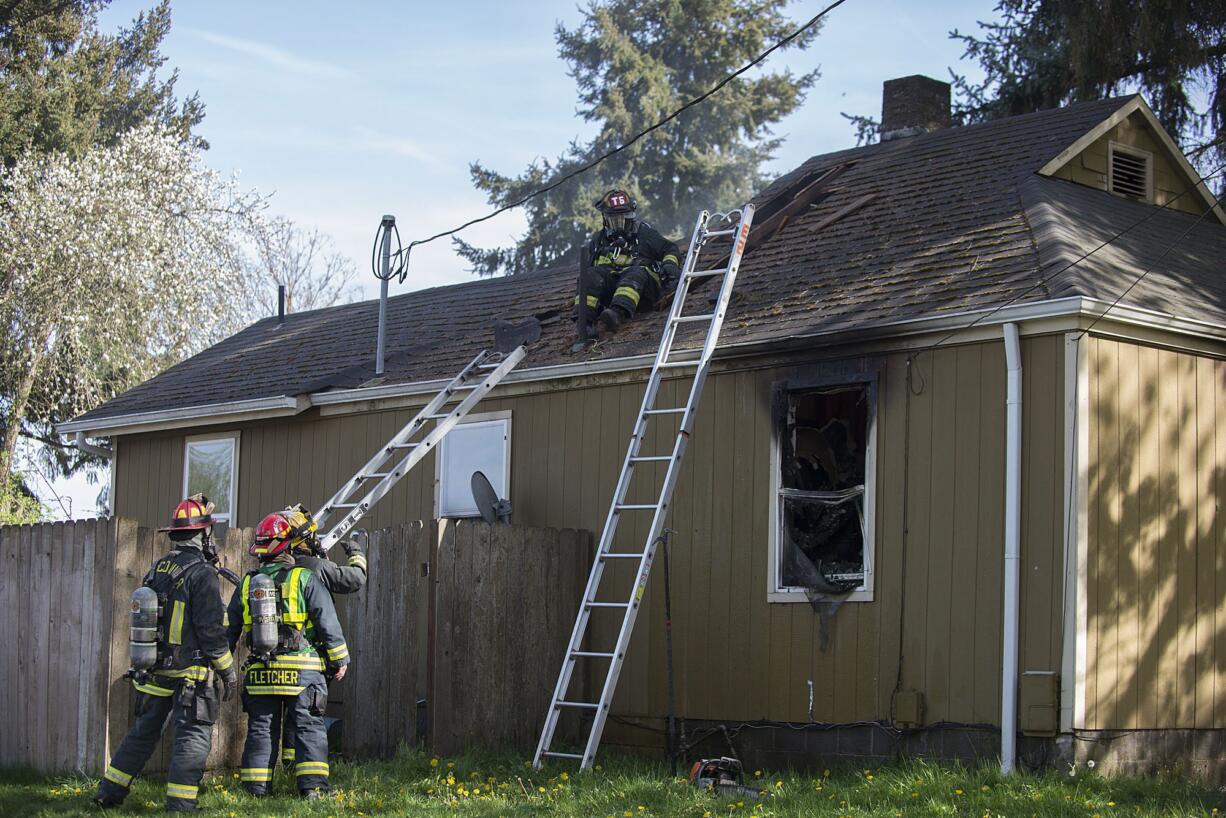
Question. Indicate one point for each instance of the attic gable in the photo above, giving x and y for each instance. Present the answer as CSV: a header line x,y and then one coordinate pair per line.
x,y
1131,155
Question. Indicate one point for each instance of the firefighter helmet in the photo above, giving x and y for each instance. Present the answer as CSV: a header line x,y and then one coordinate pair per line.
x,y
302,526
272,536
193,514
618,208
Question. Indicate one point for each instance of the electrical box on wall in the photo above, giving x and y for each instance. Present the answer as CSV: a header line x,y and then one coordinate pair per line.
x,y
1039,703
908,708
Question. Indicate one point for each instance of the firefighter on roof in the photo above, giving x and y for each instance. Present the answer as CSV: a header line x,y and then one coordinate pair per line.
x,y
178,640
294,638
338,579
631,265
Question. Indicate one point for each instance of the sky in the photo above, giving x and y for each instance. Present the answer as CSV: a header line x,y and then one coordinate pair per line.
x,y
343,112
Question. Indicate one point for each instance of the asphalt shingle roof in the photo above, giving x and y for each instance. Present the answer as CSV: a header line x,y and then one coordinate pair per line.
x,y
959,220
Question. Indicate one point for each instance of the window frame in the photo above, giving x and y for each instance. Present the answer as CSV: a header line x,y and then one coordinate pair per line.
x,y
855,376
1113,148
504,417
234,438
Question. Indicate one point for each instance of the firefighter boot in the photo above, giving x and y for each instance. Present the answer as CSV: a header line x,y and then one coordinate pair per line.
x,y
611,319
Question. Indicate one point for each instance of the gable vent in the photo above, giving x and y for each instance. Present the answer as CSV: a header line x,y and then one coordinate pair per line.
x,y
1130,173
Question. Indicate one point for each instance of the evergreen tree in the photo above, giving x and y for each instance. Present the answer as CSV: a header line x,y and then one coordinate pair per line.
x,y
65,86
635,62
1047,53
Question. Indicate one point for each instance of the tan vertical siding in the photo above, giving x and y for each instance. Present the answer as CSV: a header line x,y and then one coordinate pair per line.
x,y
737,657
1154,647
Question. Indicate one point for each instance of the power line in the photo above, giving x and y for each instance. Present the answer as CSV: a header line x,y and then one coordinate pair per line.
x,y
1151,213
558,183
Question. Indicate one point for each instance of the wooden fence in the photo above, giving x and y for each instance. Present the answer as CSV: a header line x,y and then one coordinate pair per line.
x,y
455,639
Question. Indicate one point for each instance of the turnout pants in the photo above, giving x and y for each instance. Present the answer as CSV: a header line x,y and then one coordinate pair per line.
x,y
194,708
627,289
303,714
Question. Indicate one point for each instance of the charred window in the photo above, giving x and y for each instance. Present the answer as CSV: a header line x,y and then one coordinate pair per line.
x,y
823,460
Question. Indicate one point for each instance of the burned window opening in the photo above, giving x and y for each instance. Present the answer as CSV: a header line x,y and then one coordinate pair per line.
x,y
823,459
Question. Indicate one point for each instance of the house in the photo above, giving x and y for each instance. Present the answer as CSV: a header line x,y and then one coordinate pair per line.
x,y
865,356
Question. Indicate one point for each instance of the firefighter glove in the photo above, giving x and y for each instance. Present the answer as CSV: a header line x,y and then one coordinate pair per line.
x,y
671,272
229,682
357,543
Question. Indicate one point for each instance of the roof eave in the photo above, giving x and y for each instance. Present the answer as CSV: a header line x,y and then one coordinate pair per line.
x,y
1073,307
188,416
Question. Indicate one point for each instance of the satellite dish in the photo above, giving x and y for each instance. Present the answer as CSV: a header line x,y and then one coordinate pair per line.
x,y
492,509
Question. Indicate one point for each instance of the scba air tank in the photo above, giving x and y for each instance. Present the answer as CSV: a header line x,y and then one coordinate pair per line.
x,y
262,601
143,632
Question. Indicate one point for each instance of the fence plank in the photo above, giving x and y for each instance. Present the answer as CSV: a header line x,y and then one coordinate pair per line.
x,y
40,635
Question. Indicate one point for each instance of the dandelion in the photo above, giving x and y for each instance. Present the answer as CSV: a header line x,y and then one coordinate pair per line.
x,y
542,789
825,773
627,814
564,776
957,792
778,785
433,763
757,773
985,788
450,764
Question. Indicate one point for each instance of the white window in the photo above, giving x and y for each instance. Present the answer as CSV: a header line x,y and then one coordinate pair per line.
x,y
480,443
210,467
823,470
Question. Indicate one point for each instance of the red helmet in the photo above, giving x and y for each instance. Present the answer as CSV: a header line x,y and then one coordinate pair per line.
x,y
272,536
193,514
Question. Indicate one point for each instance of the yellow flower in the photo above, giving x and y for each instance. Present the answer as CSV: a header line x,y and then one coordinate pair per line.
x,y
985,788
450,764
825,773
642,808
1111,803
757,773
540,789
476,790
778,785
627,814
434,762
957,792
598,768
564,776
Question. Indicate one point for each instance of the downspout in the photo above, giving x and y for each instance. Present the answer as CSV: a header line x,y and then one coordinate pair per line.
x,y
1013,550
88,448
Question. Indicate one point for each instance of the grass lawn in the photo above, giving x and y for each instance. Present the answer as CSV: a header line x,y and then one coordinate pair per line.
x,y
622,787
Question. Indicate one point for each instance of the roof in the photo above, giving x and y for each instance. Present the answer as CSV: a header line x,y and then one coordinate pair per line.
x,y
958,221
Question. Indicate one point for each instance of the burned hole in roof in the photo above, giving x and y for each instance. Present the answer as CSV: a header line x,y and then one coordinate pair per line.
x,y
821,494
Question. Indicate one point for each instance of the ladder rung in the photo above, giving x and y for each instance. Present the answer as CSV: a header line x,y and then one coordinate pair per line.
x,y
611,555
685,319
402,446
635,506
675,411
592,654
489,366
676,364
727,232
583,705
607,604
706,273
343,505
648,458
438,417
374,474
552,754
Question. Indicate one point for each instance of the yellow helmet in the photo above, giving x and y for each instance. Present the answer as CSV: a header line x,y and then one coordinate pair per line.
x,y
302,526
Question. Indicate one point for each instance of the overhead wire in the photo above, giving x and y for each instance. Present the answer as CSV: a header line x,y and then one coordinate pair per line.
x,y
406,251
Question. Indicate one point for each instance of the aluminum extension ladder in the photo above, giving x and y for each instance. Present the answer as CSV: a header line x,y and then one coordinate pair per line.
x,y
605,553
379,476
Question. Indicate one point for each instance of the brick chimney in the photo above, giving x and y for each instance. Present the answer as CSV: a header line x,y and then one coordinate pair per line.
x,y
913,105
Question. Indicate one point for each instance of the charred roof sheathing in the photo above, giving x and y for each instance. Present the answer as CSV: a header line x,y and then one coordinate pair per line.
x,y
958,219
